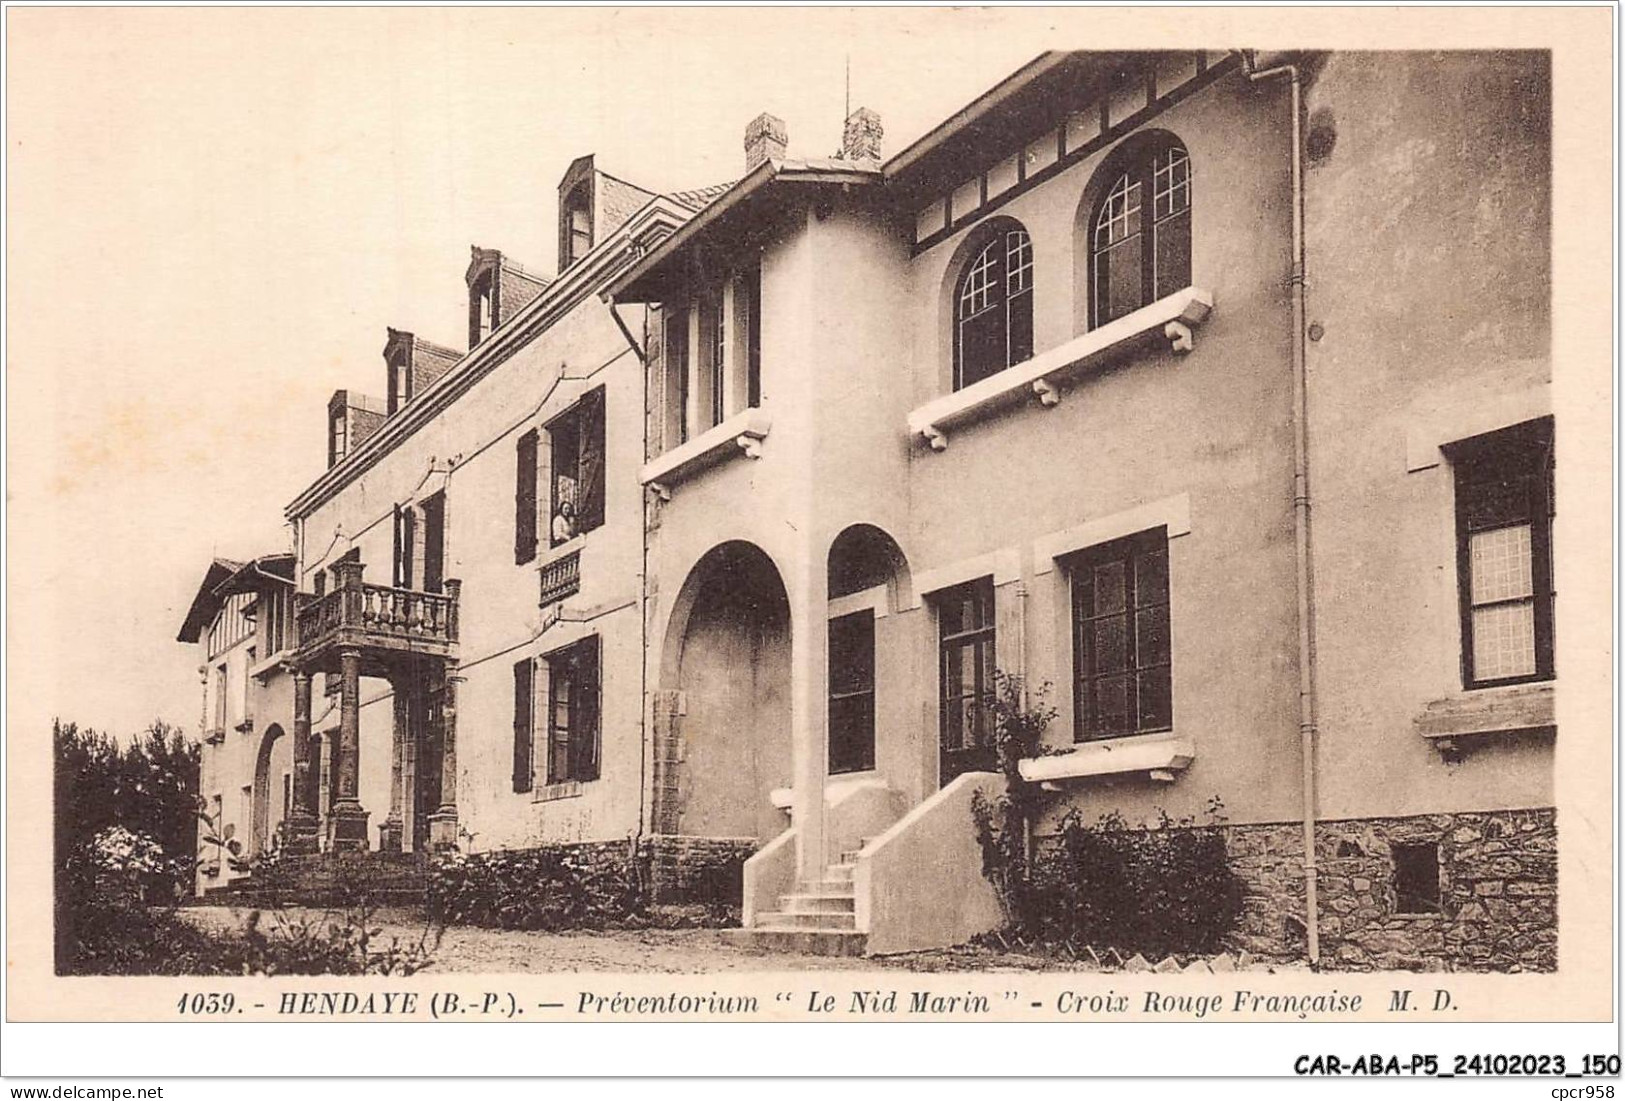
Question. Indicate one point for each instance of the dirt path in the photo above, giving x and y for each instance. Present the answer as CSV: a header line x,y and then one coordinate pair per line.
x,y
680,951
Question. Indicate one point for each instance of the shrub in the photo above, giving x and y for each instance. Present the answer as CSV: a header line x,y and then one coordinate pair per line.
x,y
553,887
1158,891
1003,822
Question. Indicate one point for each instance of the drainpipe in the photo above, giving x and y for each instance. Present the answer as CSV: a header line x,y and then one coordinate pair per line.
x,y
1300,497
646,709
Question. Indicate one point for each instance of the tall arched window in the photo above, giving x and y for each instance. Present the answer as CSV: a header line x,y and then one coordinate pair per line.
x,y
1140,232
993,313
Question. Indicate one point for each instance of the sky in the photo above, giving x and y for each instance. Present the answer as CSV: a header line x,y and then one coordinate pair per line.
x,y
212,216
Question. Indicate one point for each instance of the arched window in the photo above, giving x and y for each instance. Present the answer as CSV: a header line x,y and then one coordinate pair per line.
x,y
1140,232
993,312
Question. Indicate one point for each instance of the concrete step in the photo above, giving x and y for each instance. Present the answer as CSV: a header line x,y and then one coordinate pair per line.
x,y
790,919
811,902
840,872
809,942
831,886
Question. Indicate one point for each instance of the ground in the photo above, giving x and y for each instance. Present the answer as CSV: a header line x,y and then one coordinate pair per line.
x,y
671,951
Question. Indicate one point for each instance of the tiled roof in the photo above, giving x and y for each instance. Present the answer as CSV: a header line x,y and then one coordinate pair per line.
x,y
700,197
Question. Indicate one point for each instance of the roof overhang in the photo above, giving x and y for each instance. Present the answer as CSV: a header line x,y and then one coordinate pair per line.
x,y
208,600
1020,107
734,216
226,578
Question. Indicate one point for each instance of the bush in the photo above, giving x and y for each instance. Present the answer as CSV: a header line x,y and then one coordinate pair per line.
x,y
554,887
599,886
114,806
1158,891
118,932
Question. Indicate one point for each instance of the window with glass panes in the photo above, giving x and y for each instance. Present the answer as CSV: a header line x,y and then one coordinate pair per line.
x,y
1140,243
1121,650
994,318
1504,508
852,692
966,634
573,710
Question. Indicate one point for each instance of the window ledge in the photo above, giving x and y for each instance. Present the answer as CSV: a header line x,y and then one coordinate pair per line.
x,y
1160,756
741,433
1172,319
565,789
545,556
1520,707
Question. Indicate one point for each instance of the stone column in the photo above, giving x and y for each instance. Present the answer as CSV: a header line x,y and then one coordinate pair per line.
x,y
809,739
349,819
299,830
391,831
443,822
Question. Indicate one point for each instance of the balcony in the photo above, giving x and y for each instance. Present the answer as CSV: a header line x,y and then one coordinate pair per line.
x,y
377,619
561,577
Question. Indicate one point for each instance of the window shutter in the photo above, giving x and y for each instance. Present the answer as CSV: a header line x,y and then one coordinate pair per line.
x,y
396,574
752,287
590,495
523,693
585,733
524,499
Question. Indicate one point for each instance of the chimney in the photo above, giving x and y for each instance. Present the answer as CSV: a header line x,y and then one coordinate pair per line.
x,y
765,139
860,138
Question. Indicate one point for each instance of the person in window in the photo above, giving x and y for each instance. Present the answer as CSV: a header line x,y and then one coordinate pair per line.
x,y
564,523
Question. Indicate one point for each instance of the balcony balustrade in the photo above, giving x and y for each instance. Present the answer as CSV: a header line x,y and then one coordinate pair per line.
x,y
378,618
561,578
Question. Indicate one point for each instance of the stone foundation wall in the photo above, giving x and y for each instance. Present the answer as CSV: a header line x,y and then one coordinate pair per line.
x,y
1497,889
697,869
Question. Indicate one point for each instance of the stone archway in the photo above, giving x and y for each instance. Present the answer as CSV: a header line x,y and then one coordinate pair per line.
x,y
723,744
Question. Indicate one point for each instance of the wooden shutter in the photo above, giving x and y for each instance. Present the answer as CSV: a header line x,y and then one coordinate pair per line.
x,y
590,485
752,287
524,499
434,541
585,732
523,693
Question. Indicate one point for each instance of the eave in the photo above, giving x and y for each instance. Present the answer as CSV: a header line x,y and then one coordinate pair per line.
x,y
1009,114
649,279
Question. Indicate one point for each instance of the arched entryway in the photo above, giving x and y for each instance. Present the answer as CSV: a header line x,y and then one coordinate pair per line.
x,y
724,744
273,768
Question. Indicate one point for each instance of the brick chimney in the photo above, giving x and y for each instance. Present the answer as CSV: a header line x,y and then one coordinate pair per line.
x,y
765,139
860,138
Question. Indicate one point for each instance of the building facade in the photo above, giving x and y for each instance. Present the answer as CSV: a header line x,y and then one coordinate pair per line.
x,y
1210,391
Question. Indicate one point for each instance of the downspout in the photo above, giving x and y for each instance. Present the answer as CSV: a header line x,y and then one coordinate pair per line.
x,y
1300,499
645,708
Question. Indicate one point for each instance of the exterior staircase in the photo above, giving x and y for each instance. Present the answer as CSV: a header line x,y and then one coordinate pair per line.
x,y
818,918
331,879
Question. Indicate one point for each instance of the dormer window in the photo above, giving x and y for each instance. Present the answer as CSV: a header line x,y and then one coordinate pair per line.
x,y
400,384
482,308
338,441
580,222
576,227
